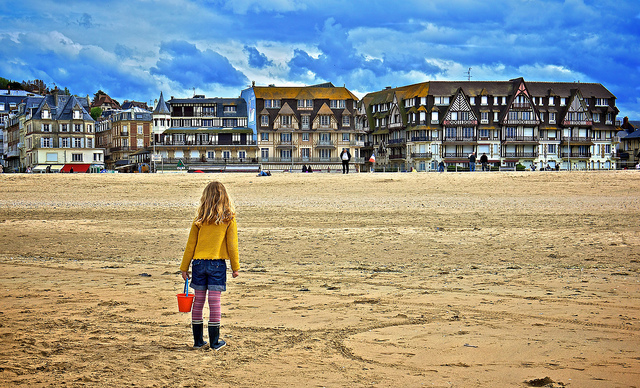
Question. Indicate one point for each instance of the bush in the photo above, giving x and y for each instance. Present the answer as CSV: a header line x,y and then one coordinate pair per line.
x,y
520,167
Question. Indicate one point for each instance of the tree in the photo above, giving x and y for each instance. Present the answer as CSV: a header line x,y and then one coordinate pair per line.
x,y
97,96
96,112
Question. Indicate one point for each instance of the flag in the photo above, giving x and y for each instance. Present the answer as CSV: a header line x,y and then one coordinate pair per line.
x,y
372,159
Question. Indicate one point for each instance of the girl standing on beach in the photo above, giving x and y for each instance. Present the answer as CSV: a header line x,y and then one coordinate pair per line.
x,y
212,240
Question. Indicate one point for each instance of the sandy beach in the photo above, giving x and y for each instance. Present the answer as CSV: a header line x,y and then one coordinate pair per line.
x,y
510,279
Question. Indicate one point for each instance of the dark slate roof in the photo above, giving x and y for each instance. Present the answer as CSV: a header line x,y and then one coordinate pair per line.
x,y
161,107
239,103
62,109
634,135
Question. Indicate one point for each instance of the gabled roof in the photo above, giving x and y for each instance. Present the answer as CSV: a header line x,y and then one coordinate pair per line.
x,y
62,109
325,110
286,110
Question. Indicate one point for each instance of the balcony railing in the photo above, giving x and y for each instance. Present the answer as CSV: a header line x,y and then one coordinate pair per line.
x,y
424,138
521,138
583,154
459,138
277,159
173,143
325,144
397,141
576,139
520,154
456,155
396,157
210,160
421,155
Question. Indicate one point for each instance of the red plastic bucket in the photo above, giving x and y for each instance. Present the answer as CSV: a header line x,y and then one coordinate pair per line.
x,y
185,302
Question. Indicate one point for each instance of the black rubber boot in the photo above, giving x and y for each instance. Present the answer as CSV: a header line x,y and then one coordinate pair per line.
x,y
214,336
198,342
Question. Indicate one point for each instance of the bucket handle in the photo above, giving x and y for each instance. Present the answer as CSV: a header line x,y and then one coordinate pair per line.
x,y
186,287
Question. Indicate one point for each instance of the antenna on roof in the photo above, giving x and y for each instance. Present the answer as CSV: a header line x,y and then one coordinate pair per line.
x,y
469,74
194,92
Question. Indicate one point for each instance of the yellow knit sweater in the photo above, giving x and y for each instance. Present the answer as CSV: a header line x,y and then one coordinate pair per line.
x,y
212,242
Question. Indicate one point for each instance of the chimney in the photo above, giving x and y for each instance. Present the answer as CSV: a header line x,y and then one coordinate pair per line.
x,y
55,97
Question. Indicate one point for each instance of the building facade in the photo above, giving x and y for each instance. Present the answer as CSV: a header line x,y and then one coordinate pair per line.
x,y
56,133
122,134
200,133
311,125
535,124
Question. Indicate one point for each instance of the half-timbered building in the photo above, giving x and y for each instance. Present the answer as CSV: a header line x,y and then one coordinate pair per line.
x,y
310,125
534,124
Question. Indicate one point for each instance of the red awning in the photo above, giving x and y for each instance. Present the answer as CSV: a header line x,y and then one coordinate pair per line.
x,y
76,167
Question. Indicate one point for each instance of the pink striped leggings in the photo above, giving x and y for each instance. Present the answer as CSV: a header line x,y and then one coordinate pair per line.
x,y
214,306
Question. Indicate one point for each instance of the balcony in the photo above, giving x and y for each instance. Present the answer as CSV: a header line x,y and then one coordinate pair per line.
x,y
461,139
356,143
182,143
521,139
521,105
298,160
424,138
395,157
571,123
395,125
520,154
286,144
583,154
464,155
124,133
421,155
324,144
117,149
577,139
396,142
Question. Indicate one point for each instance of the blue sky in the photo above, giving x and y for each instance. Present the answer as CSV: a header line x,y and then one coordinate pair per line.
x,y
133,49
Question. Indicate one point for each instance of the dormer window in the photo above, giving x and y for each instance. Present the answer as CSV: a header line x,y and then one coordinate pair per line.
x,y
336,104
77,115
229,109
46,114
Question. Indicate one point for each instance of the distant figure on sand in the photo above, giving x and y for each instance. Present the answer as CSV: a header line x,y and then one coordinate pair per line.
x,y
345,156
472,161
212,240
441,166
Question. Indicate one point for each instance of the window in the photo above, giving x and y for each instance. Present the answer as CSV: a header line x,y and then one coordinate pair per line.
x,y
472,100
46,142
607,148
454,116
242,154
325,154
345,137
285,154
77,127
77,142
336,104
264,154
551,148
510,132
552,118
484,100
305,153
563,101
484,117
513,115
64,128
65,143
52,156
596,117
46,128
542,116
211,154
346,121
325,120
229,109
305,121
264,120
89,128
305,104
483,133
76,157
140,143
264,136
434,117
272,103
77,114
467,132
89,143
97,157
226,154
45,114
140,130
208,110
451,132
229,123
325,138
441,100
305,136
285,137
608,121
602,102
285,120
526,115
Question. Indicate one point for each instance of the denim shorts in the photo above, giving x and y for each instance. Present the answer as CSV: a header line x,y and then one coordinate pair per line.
x,y
209,275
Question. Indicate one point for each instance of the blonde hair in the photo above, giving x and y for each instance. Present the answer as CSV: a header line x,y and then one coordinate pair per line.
x,y
215,205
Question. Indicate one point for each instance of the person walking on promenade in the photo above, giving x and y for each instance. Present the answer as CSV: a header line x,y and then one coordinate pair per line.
x,y
485,161
345,156
472,161
212,240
